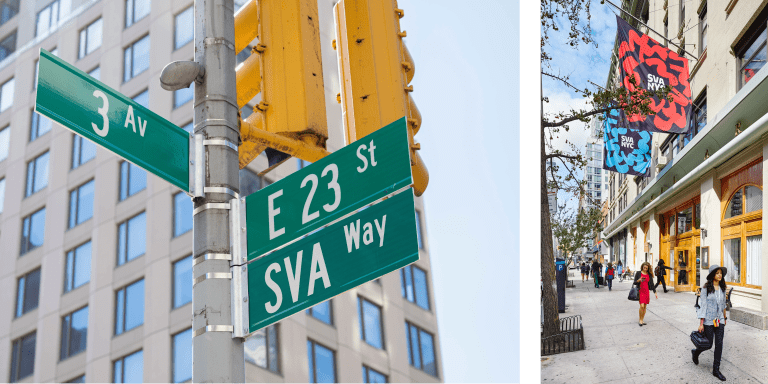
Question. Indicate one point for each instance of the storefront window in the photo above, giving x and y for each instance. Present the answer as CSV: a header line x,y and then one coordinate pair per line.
x,y
754,198
754,245
732,260
734,206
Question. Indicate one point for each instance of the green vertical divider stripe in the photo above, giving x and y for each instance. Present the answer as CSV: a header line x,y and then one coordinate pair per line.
x,y
530,223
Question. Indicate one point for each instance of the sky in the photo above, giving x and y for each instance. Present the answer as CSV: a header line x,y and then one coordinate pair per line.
x,y
466,87
582,64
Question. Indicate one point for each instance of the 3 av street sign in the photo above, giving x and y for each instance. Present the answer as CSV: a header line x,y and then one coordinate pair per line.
x,y
371,243
97,112
358,174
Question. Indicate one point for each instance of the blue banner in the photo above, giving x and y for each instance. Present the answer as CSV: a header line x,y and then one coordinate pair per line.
x,y
625,150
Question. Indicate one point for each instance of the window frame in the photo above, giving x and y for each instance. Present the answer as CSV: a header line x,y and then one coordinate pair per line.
x,y
269,330
74,254
409,344
361,317
26,248
19,342
173,287
12,83
69,335
6,130
52,24
128,194
176,45
313,362
122,364
132,48
175,207
83,34
13,11
124,289
28,192
173,355
407,272
34,126
22,295
703,29
126,222
366,374
77,151
134,20
76,192
311,312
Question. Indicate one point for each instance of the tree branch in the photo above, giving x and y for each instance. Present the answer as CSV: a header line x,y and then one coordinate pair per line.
x,y
565,81
547,124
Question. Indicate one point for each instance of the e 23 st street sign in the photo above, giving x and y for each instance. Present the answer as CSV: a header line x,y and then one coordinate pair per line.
x,y
355,175
97,112
353,251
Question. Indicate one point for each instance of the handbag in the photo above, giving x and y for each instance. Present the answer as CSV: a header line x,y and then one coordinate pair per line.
x,y
633,294
700,340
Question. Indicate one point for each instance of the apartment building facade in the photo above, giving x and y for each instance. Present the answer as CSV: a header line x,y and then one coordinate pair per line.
x,y
702,204
97,254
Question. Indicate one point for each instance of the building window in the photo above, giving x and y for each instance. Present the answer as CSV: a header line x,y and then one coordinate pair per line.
x,y
81,204
40,126
82,151
191,130
95,73
182,96
74,333
322,363
129,369
136,10
8,46
79,379
302,163
23,357
132,238
703,30
142,98
182,356
5,142
48,18
685,220
136,58
741,238
421,349
2,194
27,292
753,57
37,174
129,306
182,282
8,9
250,182
132,180
262,349
185,28
414,285
419,238
370,323
322,312
90,38
182,214
371,375
699,120
6,91
32,231
78,267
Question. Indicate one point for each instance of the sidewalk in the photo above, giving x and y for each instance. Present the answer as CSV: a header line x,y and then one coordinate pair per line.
x,y
620,351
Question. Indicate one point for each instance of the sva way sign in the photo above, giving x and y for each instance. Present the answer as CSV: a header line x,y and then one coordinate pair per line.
x,y
371,243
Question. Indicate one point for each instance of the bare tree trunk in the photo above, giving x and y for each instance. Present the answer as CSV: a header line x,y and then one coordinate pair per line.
x,y
551,317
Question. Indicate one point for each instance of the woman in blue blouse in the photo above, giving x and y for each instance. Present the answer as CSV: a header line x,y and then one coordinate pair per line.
x,y
712,316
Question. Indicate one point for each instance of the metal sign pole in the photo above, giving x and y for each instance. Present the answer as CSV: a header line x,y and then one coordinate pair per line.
x,y
217,356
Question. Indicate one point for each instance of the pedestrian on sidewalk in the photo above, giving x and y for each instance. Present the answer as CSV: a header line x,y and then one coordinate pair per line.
x,y
609,276
661,271
644,282
619,270
584,272
712,316
596,272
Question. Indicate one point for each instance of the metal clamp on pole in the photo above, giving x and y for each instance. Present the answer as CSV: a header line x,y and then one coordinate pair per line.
x,y
211,256
222,142
212,275
212,328
210,206
238,246
226,190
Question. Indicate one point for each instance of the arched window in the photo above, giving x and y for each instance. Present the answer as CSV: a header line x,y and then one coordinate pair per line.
x,y
742,225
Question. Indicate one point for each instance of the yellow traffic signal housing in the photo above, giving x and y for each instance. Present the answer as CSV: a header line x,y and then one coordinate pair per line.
x,y
286,68
375,69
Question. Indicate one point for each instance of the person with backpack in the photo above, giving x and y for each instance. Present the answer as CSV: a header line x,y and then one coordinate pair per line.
x,y
712,317
584,271
609,276
660,271
619,270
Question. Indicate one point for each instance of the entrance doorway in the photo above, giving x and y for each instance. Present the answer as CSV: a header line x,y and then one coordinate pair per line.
x,y
683,268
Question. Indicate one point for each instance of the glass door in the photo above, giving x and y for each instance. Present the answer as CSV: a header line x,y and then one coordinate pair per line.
x,y
683,267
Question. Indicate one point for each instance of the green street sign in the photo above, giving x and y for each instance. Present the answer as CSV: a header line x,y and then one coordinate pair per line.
x,y
360,248
97,112
358,174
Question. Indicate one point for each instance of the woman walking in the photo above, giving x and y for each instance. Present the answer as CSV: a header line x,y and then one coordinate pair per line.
x,y
584,272
644,282
596,272
619,270
712,316
662,270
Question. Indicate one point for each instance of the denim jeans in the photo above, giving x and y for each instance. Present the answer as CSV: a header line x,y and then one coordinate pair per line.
x,y
610,283
717,334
